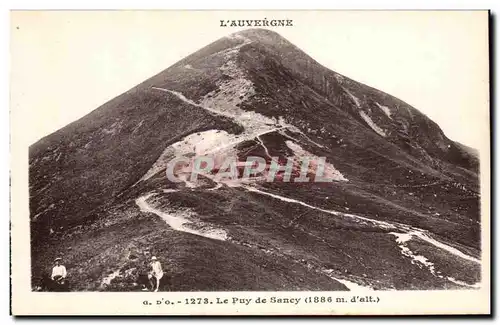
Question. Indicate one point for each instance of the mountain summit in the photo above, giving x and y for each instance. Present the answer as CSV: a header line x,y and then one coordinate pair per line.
x,y
401,210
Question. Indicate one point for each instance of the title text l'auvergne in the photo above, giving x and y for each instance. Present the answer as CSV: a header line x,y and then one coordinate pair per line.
x,y
257,23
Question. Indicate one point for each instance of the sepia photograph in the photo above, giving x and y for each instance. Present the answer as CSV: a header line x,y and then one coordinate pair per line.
x,y
315,157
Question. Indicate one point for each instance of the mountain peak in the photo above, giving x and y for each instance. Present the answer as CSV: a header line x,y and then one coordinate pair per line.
x,y
260,35
256,32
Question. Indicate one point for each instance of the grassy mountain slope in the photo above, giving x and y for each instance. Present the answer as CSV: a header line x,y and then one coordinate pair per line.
x,y
402,176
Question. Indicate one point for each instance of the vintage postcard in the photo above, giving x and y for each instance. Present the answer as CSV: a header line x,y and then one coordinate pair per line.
x,y
250,162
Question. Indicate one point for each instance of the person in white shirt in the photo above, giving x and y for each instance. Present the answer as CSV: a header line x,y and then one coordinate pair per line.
x,y
58,272
156,272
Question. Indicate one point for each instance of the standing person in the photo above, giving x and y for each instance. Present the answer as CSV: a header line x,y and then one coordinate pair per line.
x,y
156,272
58,273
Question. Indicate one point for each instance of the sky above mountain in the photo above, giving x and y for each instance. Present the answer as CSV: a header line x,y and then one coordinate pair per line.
x,y
64,65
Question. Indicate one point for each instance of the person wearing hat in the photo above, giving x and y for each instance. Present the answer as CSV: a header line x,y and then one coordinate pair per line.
x,y
156,272
58,272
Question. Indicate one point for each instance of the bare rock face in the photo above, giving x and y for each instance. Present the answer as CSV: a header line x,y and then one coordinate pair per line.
x,y
401,211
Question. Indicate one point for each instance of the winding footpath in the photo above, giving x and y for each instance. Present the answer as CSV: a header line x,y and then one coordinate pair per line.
x,y
402,232
179,221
